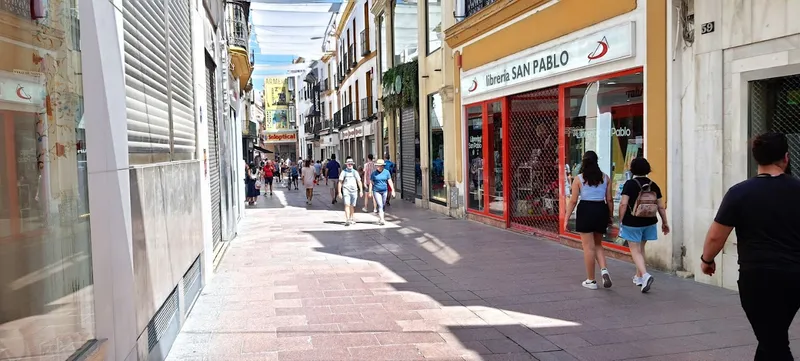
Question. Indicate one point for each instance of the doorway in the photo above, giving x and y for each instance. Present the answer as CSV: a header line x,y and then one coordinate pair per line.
x,y
533,121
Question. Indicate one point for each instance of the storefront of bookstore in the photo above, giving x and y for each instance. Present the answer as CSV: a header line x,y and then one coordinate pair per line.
x,y
530,116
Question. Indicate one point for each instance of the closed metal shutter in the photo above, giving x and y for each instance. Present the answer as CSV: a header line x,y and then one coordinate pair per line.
x,y
407,146
158,80
213,153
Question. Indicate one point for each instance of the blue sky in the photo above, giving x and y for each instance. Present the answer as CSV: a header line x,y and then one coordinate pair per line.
x,y
260,74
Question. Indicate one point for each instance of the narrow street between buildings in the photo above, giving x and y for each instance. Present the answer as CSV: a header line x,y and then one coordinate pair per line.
x,y
296,284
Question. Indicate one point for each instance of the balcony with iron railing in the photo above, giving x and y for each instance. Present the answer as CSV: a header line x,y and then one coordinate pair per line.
x,y
364,43
347,115
323,85
337,120
238,36
472,7
353,60
367,108
308,127
317,128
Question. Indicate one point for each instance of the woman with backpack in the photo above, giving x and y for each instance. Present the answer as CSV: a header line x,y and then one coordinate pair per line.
x,y
640,203
594,215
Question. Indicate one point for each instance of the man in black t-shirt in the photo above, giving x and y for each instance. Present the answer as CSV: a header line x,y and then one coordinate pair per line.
x,y
763,210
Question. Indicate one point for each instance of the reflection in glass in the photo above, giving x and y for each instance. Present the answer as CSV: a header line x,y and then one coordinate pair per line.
x,y
438,191
495,159
605,116
434,18
406,26
46,295
384,51
475,151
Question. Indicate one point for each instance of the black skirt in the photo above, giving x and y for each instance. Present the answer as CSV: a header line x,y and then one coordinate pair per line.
x,y
592,217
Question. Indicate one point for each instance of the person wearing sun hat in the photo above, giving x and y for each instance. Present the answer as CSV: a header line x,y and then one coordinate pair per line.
x,y
381,183
350,188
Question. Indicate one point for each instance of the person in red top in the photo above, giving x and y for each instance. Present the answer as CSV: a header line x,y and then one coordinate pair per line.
x,y
268,175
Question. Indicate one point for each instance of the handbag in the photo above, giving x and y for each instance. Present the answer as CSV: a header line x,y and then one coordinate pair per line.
x,y
258,184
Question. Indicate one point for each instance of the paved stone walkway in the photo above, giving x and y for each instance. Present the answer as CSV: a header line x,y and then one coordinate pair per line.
x,y
296,284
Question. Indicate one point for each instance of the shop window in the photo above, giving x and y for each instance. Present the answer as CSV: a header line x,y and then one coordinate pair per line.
x,y
606,116
438,191
475,199
46,286
494,160
774,106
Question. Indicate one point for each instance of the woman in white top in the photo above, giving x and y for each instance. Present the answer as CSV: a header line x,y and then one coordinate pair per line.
x,y
595,212
308,175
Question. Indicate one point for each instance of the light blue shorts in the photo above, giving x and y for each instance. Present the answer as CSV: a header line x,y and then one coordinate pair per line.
x,y
349,198
638,234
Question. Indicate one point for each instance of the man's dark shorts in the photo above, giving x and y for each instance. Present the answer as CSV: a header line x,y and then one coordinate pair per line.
x,y
268,180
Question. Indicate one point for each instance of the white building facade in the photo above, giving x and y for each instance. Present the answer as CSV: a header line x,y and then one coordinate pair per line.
x,y
357,82
735,73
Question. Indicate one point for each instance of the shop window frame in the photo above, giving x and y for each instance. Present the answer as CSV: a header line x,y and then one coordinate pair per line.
x,y
430,98
504,108
562,150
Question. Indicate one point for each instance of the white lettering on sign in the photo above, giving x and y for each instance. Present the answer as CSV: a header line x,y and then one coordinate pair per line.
x,y
611,44
581,132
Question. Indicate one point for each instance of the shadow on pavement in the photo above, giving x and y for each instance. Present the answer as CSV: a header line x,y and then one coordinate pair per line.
x,y
509,296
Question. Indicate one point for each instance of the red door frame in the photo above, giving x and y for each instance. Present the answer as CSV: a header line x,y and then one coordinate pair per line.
x,y
485,152
562,149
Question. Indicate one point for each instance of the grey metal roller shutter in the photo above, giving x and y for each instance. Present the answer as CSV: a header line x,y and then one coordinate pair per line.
x,y
158,80
181,79
407,146
213,153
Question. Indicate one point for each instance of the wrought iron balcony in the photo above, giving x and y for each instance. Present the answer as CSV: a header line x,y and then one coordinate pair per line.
x,y
238,30
337,120
347,115
367,108
474,6
308,127
323,85
364,43
353,60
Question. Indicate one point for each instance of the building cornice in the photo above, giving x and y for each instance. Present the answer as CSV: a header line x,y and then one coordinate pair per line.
x,y
348,10
488,19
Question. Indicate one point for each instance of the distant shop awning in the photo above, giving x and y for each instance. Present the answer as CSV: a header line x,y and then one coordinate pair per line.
x,y
262,150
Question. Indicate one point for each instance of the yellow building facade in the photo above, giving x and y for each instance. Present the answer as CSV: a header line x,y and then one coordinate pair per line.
x,y
538,83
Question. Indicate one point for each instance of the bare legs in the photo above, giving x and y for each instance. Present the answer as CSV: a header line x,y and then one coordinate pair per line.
x,y
638,255
593,251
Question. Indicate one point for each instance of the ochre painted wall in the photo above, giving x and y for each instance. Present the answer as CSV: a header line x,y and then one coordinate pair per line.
x,y
655,71
560,19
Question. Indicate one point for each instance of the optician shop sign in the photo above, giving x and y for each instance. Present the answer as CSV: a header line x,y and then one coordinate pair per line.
x,y
281,138
611,44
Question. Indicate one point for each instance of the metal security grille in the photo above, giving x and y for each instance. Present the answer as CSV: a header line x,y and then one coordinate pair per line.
x,y
775,107
191,284
533,146
407,145
160,323
213,153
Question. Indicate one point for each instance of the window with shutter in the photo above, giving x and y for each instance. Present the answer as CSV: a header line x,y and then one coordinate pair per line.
x,y
158,80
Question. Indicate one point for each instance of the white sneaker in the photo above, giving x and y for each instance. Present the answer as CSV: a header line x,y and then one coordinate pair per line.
x,y
606,278
590,284
381,222
364,209
647,281
637,281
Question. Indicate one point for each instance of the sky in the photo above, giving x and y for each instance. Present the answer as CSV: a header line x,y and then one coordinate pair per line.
x,y
263,59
